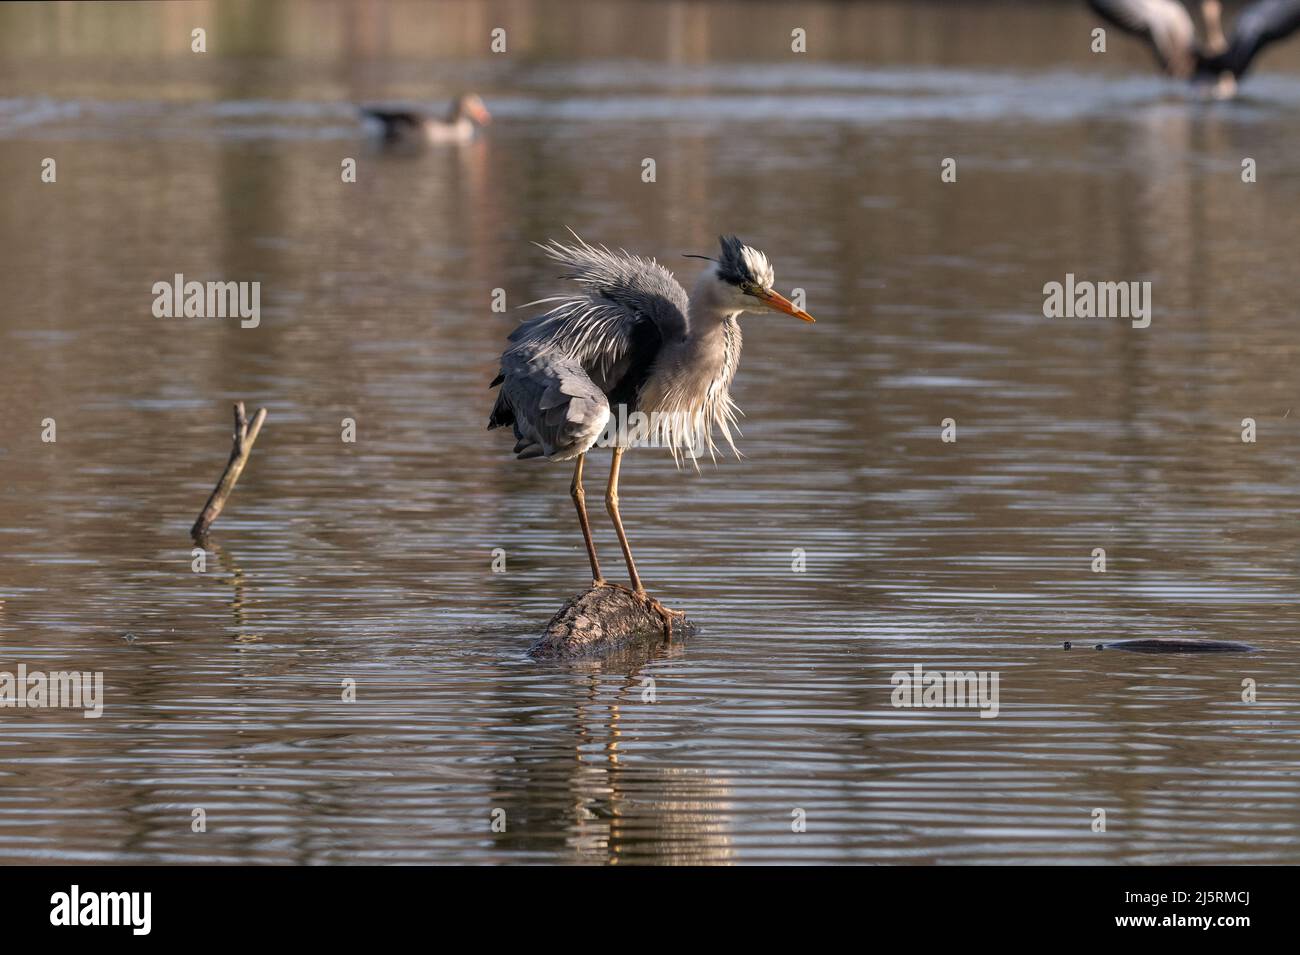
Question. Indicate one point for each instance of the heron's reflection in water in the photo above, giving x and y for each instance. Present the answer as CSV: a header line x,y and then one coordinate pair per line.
x,y
616,807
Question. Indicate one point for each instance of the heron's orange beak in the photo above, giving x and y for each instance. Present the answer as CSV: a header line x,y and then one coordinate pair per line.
x,y
480,114
782,304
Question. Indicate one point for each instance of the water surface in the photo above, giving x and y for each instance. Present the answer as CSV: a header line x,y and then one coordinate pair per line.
x,y
372,562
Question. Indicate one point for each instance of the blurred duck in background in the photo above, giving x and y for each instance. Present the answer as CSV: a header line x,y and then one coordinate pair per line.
x,y
411,127
1220,61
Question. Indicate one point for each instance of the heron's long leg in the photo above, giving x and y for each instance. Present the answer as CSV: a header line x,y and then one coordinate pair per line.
x,y
638,591
611,504
580,502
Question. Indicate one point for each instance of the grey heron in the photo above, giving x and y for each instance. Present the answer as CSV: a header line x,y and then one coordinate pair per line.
x,y
1168,27
628,340
404,126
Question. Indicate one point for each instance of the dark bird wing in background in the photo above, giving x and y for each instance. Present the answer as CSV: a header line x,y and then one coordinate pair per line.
x,y
398,123
1258,25
1165,24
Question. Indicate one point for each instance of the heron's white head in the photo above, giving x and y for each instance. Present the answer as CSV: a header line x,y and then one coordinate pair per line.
x,y
742,278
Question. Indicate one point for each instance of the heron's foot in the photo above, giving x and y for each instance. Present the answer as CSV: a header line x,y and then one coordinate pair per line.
x,y
666,614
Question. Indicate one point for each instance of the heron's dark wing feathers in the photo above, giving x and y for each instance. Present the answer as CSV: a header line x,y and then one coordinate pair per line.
x,y
555,408
1165,24
1258,25
592,350
599,323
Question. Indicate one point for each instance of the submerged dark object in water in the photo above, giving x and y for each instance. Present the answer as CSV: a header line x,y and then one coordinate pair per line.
x,y
1175,645
601,620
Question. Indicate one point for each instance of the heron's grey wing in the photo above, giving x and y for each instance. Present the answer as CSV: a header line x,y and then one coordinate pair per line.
x,y
557,410
1165,24
624,304
1258,25
596,345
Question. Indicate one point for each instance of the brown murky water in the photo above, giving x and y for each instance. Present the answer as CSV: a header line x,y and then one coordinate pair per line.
x,y
372,561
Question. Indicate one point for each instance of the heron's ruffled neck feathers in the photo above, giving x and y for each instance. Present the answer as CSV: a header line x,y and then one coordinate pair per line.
x,y
691,385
